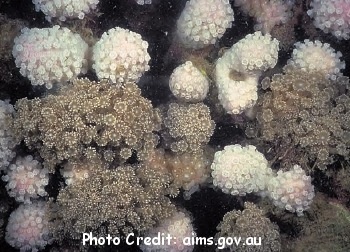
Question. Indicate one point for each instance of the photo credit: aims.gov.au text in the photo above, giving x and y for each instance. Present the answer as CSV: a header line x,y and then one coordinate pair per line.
x,y
162,239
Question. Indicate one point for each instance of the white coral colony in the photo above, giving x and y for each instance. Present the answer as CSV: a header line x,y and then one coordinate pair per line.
x,y
188,83
120,55
238,70
203,22
50,55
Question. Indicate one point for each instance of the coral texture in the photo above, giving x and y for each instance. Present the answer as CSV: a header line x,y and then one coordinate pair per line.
x,y
179,226
26,179
189,125
88,119
238,70
187,171
239,170
309,110
307,55
50,55
188,83
331,16
120,55
250,222
124,199
7,138
268,13
28,228
63,9
202,22
291,190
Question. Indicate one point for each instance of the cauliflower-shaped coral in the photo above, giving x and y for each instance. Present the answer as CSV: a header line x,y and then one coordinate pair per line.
x,y
253,54
307,55
268,14
291,190
237,96
26,179
202,22
188,83
64,9
28,227
120,55
50,55
239,170
331,16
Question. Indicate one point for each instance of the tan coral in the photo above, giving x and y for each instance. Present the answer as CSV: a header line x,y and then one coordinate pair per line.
x,y
308,109
129,199
250,222
189,126
187,171
86,114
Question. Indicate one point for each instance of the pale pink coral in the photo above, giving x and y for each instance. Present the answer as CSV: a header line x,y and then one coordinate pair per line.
x,y
331,16
268,13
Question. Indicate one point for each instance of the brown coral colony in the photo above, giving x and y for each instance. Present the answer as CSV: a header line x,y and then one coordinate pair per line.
x,y
87,119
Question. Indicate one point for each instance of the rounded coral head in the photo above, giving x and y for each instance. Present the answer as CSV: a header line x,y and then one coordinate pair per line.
x,y
291,190
239,170
28,227
50,55
331,16
187,83
121,56
26,179
307,55
63,9
202,22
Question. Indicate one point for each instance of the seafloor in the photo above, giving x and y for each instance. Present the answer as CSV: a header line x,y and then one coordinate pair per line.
x,y
156,23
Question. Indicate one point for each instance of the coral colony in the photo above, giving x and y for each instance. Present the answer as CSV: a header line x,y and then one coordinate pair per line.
x,y
128,164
